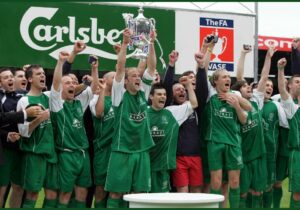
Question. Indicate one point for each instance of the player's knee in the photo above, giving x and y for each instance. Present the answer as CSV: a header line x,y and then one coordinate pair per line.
x,y
115,195
50,194
32,195
296,196
17,189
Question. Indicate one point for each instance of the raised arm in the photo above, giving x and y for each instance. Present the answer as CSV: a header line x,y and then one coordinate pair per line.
x,y
201,83
95,75
266,69
187,82
151,60
281,80
169,76
79,46
207,55
57,75
120,71
100,103
241,64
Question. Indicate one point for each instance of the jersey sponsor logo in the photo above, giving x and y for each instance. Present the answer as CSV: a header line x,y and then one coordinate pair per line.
x,y
223,53
155,132
250,124
76,123
45,123
223,113
109,115
137,117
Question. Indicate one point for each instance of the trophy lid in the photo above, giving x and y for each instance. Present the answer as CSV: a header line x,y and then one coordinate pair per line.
x,y
140,15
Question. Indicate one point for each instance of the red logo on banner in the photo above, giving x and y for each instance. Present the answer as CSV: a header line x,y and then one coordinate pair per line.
x,y
282,44
223,50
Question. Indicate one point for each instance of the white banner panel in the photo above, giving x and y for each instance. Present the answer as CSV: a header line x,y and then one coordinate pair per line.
x,y
233,31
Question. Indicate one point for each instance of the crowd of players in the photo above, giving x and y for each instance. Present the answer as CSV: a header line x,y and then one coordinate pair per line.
x,y
197,134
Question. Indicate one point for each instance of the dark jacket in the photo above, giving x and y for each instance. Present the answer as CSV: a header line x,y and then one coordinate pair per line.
x,y
11,118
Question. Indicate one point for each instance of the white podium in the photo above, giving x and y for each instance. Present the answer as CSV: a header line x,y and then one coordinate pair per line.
x,y
173,200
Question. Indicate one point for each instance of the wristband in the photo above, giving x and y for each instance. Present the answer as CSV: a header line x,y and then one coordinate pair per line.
x,y
209,49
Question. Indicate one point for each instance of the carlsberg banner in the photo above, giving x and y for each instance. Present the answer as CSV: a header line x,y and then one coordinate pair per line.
x,y
34,33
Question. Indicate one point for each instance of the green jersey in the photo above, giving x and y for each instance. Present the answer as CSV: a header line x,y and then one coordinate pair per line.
x,y
273,117
164,126
253,145
103,126
132,126
41,140
68,120
283,149
222,122
293,115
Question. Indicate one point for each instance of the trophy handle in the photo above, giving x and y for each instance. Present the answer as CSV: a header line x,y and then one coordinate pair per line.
x,y
153,22
225,40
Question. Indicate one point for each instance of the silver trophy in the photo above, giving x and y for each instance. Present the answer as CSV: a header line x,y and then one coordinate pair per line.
x,y
141,28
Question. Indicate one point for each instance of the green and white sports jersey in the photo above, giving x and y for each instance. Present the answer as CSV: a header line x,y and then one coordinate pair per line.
x,y
292,112
222,123
253,145
132,126
164,126
41,140
283,149
273,117
103,127
68,120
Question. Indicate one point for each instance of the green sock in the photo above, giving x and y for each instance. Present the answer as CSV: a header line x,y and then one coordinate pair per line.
x,y
79,204
218,192
28,204
100,204
243,202
72,202
267,199
61,205
234,198
296,204
256,201
113,203
249,200
277,195
124,204
49,203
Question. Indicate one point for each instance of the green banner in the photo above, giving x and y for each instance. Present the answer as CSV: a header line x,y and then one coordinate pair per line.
x,y
34,33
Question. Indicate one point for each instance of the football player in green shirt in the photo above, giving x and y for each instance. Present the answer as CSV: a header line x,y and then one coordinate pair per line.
x,y
39,162
254,173
164,125
103,121
71,139
292,112
224,114
129,164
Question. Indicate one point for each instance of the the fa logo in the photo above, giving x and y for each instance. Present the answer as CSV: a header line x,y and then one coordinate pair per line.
x,y
223,53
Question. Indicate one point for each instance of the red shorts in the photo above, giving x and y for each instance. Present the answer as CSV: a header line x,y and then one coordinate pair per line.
x,y
188,171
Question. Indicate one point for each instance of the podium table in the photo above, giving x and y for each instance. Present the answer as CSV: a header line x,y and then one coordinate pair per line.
x,y
173,200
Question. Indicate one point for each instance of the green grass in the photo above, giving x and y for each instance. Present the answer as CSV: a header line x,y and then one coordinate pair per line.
x,y
285,202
